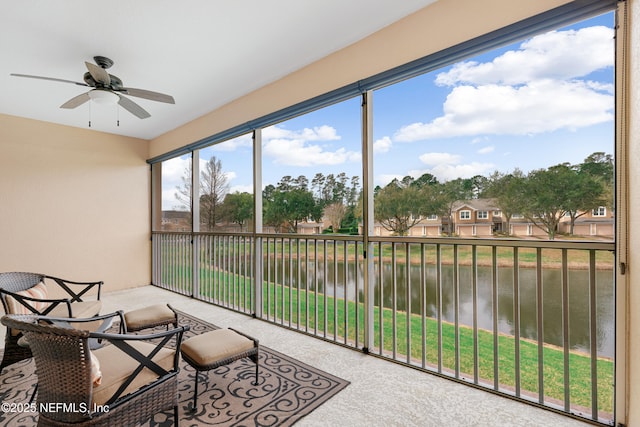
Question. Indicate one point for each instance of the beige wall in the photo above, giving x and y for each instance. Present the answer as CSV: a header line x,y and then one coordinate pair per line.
x,y
74,203
438,26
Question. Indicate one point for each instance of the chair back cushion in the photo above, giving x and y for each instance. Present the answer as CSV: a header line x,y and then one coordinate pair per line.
x,y
38,291
116,368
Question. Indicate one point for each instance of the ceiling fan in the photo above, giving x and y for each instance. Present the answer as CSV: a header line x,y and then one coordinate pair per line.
x,y
107,88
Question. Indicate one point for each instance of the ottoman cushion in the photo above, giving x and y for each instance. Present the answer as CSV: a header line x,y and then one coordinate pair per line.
x,y
154,315
211,347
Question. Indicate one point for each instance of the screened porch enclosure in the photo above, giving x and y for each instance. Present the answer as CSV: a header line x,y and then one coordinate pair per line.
x,y
500,279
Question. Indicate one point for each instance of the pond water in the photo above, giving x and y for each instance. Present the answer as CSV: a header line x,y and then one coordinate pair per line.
x,y
578,304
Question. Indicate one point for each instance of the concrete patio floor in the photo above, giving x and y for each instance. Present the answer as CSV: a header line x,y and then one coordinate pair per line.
x,y
381,393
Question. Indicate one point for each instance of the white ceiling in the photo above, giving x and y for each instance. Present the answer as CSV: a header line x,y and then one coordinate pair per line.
x,y
205,53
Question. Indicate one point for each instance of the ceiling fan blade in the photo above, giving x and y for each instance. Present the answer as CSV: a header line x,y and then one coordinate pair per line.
x,y
49,78
147,94
76,101
132,107
99,74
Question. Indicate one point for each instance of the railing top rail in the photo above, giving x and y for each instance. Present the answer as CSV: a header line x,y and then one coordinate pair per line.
x,y
339,237
502,242
460,241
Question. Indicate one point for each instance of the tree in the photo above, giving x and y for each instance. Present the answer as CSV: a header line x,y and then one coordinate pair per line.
x,y
317,185
400,205
183,191
213,189
508,192
333,214
288,208
425,179
600,166
585,193
238,208
546,193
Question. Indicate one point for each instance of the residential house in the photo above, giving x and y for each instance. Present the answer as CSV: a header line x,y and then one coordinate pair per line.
x,y
476,218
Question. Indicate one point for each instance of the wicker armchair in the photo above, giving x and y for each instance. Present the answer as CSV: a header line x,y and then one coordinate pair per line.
x,y
131,380
22,293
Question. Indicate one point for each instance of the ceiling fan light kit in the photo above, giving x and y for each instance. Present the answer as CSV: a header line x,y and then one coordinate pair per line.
x,y
103,97
107,89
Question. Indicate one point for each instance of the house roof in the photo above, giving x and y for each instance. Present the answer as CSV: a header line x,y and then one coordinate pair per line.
x,y
204,53
476,205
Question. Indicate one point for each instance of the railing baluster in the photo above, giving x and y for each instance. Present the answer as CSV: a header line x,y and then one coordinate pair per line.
x,y
268,256
456,309
423,304
565,330
380,300
356,274
439,302
394,302
335,290
324,290
315,287
474,291
593,334
346,291
290,282
407,275
516,319
496,333
298,280
540,325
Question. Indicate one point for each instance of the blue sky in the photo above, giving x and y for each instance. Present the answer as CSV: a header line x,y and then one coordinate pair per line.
x,y
531,105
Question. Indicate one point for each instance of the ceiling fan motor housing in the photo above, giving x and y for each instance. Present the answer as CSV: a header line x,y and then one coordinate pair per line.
x,y
115,84
103,61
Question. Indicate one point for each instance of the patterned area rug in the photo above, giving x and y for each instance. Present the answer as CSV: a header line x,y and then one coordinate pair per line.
x,y
287,390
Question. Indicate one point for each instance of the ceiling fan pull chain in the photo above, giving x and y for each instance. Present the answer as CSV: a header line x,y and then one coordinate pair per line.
x,y
117,115
89,114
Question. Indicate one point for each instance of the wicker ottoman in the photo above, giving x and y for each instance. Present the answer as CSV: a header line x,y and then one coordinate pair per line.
x,y
150,317
218,348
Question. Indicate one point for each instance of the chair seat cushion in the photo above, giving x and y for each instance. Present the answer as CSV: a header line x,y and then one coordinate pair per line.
x,y
207,349
116,367
154,315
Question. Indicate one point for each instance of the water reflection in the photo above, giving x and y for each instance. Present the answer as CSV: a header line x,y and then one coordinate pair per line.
x,y
578,280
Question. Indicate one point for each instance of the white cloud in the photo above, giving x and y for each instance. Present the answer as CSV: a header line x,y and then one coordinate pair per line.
x,y
533,89
478,140
541,106
447,172
448,166
234,144
486,150
382,145
241,189
293,148
318,133
557,54
439,158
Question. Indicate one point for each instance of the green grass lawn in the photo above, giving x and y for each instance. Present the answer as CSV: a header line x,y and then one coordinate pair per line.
x,y
336,318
